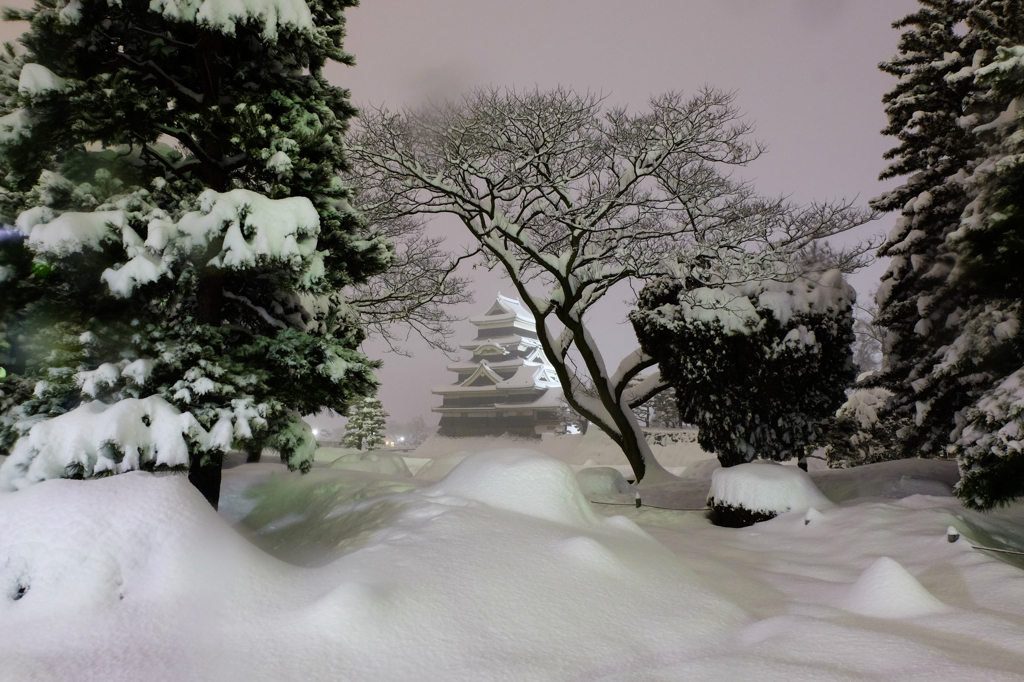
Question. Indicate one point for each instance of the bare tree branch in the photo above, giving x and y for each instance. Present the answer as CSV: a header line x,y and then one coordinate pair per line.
x,y
574,200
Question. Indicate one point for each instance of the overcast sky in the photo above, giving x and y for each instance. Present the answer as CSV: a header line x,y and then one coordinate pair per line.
x,y
805,72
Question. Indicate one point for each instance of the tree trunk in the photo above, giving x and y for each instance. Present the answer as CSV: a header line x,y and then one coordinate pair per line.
x,y
206,479
253,456
209,301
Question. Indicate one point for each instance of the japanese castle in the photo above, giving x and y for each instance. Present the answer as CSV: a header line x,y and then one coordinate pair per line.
x,y
508,387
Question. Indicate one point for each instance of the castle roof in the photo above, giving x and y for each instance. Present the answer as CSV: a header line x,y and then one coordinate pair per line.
x,y
505,312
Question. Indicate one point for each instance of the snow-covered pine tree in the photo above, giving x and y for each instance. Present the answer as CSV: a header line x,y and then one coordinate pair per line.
x,y
757,365
988,353
666,410
366,423
927,110
177,235
934,110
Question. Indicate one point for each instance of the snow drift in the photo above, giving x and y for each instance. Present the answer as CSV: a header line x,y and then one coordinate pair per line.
x,y
500,571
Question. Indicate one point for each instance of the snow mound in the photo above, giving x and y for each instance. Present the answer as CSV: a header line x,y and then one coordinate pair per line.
x,y
521,481
397,586
602,481
373,462
438,468
72,545
765,487
887,590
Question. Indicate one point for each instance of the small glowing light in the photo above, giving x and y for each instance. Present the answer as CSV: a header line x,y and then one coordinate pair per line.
x,y
316,432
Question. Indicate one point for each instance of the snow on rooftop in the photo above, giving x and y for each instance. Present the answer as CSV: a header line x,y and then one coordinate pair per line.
x,y
503,307
525,377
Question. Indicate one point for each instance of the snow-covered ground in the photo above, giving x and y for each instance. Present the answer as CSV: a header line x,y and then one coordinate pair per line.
x,y
502,570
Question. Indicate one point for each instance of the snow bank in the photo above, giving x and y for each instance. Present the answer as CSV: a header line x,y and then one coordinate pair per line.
x,y
373,462
891,480
887,590
436,469
134,577
671,447
765,487
521,481
602,481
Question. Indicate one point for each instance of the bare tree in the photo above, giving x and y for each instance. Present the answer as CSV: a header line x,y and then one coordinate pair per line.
x,y
867,349
571,200
416,293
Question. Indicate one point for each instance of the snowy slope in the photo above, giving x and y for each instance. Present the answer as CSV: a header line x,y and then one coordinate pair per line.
x,y
502,571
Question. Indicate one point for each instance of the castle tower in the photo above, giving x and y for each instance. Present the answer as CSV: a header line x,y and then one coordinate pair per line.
x,y
508,386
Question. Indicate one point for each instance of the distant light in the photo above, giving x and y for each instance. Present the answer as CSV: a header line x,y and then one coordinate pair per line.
x,y
316,431
401,439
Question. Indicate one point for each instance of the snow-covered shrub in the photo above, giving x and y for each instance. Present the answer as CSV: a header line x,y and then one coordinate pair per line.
x,y
757,491
175,227
756,365
521,481
97,439
856,435
602,481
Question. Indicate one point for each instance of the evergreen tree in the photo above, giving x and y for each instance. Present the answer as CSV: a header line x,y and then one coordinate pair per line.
x,y
757,366
989,349
934,110
927,110
366,424
665,410
169,287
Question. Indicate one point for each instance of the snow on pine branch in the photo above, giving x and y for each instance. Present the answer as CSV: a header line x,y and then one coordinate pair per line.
x,y
224,15
96,438
253,230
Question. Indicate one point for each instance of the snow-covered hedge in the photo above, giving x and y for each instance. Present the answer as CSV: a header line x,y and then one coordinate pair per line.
x,y
758,491
756,365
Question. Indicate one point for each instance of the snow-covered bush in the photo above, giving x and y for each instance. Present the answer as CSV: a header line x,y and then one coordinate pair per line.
x,y
856,435
756,364
757,491
176,231
602,481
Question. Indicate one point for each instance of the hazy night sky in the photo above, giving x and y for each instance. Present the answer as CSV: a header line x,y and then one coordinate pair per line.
x,y
805,72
